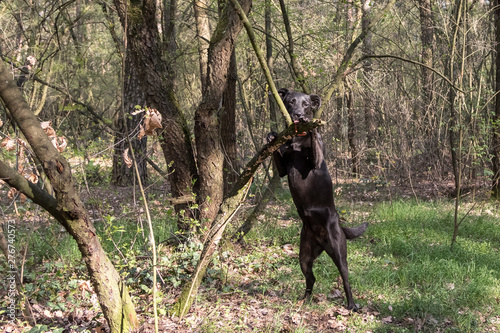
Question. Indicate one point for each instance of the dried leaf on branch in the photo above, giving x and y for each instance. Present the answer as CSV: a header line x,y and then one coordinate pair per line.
x,y
152,121
127,159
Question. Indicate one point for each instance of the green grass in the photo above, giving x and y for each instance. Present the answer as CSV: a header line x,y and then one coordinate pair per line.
x,y
403,267
412,268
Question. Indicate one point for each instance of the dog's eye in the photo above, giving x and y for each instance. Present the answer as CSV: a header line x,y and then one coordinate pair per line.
x,y
293,101
305,104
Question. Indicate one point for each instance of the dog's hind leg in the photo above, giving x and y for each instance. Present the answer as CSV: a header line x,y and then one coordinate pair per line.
x,y
337,250
310,249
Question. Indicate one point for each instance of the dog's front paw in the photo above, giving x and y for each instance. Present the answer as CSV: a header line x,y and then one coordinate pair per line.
x,y
271,136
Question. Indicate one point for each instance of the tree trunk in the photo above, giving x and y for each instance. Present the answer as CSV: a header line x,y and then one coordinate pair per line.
x,y
495,128
369,99
210,158
67,208
296,73
351,134
427,39
122,175
203,36
228,121
349,96
156,78
274,181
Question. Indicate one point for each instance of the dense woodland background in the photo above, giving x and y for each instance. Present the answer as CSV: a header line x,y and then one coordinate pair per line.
x,y
409,95
391,119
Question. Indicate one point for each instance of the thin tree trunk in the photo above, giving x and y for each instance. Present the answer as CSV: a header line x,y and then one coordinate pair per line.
x,y
228,121
210,158
495,128
351,133
427,40
121,174
155,74
299,75
342,70
349,96
369,98
274,181
67,208
203,37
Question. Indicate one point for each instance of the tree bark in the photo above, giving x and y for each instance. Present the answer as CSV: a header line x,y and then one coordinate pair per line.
x,y
67,208
156,79
427,40
495,128
203,37
121,174
369,99
210,158
228,121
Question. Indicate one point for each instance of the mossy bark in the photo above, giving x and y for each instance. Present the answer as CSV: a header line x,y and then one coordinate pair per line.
x,y
67,208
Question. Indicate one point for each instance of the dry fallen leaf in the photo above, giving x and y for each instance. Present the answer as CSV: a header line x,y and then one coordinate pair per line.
x,y
61,143
336,293
47,127
12,193
296,319
127,159
32,178
9,144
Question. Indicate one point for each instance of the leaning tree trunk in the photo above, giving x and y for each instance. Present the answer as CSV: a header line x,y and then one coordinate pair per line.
x,y
67,208
228,209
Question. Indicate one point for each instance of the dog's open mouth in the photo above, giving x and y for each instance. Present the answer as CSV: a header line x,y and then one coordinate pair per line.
x,y
296,122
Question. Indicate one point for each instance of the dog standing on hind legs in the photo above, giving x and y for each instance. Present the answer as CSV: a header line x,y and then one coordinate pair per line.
x,y
301,159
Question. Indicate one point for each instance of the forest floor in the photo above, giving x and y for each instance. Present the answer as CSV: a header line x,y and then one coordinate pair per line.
x,y
403,279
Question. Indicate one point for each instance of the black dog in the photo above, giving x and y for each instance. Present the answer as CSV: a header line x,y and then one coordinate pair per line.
x,y
311,187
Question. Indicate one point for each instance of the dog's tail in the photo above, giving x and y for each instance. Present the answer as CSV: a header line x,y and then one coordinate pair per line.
x,y
351,233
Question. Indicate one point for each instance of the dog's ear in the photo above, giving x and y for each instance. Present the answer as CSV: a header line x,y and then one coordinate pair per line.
x,y
282,92
315,101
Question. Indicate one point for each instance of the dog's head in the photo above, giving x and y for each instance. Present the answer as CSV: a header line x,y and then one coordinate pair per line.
x,y
300,106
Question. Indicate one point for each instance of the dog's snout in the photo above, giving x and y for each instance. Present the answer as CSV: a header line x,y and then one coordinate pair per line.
x,y
298,117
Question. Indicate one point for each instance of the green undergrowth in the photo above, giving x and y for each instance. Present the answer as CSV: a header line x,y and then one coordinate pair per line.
x,y
404,269
404,274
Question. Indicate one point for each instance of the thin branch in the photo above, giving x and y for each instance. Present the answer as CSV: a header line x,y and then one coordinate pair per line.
x,y
89,108
262,60
415,63
346,60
